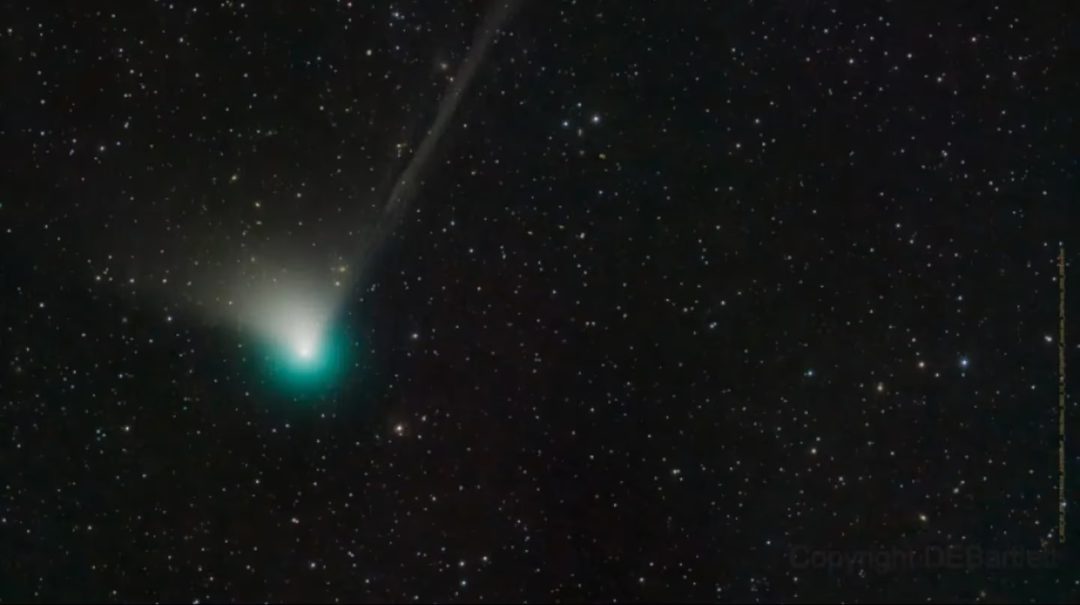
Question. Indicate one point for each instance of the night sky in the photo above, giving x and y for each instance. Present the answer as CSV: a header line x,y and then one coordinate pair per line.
x,y
533,300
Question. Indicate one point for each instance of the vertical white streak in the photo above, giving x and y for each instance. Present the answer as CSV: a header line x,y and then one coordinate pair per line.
x,y
404,188
407,182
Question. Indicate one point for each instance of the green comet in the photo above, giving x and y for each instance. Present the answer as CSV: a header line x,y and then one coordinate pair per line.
x,y
308,367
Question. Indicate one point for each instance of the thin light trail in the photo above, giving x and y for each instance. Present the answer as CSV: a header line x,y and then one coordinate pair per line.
x,y
410,179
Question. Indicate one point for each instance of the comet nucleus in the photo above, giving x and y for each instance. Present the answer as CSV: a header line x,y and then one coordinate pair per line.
x,y
305,350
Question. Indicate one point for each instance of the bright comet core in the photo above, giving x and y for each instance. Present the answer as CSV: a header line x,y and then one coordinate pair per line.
x,y
293,321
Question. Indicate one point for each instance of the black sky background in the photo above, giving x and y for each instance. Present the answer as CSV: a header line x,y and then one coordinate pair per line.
x,y
636,357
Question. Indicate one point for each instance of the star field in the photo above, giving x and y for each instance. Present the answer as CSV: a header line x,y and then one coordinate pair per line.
x,y
534,301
